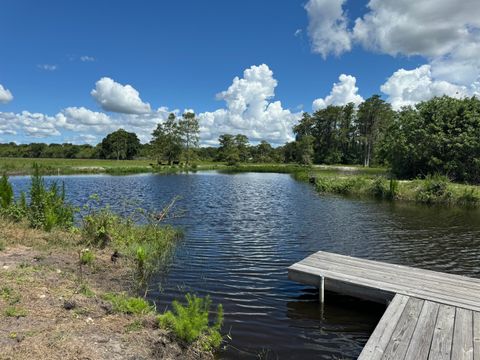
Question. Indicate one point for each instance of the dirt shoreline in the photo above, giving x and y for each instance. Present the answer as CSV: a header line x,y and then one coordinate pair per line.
x,y
47,313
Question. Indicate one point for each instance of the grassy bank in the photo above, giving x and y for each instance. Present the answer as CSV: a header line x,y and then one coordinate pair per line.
x,y
24,166
51,307
433,190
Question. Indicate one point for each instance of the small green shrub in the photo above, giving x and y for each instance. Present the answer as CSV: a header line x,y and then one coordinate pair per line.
x,y
378,188
6,192
124,304
48,208
9,295
190,322
434,189
2,245
86,257
85,290
149,246
98,227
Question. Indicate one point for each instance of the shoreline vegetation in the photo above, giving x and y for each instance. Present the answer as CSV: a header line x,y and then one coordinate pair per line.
x,y
351,180
79,290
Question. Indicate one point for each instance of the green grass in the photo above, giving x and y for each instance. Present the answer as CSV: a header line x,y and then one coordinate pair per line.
x,y
433,190
148,246
9,295
86,257
13,311
23,166
124,304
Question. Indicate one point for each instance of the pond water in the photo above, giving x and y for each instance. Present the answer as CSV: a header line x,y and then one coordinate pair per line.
x,y
242,232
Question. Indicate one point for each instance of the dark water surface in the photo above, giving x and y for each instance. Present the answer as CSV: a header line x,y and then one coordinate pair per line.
x,y
243,231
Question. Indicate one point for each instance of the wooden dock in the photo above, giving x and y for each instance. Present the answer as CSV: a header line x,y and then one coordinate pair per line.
x,y
431,315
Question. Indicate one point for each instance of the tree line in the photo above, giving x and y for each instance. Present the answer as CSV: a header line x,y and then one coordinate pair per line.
x,y
438,136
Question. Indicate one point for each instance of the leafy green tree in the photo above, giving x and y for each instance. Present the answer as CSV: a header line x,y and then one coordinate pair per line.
x,y
241,142
228,150
304,150
374,116
263,152
439,136
166,142
289,152
189,130
120,145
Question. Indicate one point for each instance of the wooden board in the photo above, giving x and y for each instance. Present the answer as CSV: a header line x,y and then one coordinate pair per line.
x,y
431,316
449,289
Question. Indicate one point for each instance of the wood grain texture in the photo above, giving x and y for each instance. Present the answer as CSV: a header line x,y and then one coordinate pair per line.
x,y
431,316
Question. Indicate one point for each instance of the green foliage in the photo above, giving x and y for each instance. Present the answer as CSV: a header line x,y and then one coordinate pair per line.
x,y
189,129
342,185
229,150
393,189
48,208
13,311
124,304
166,144
9,295
434,189
86,257
135,325
469,197
382,188
98,226
191,322
85,290
378,188
120,145
143,241
6,192
304,150
441,135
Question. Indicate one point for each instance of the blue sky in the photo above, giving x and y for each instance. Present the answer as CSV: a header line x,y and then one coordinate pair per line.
x,y
179,54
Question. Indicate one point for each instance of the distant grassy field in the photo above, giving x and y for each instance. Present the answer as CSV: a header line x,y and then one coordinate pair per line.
x,y
15,166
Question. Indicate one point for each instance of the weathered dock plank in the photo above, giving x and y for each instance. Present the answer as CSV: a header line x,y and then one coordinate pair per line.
x,y
431,315
462,347
419,347
393,279
441,347
380,338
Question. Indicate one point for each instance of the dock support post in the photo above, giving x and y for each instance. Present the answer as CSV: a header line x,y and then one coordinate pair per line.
x,y
321,290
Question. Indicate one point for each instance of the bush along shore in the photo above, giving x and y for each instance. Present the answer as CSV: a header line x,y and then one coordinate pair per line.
x,y
81,291
432,190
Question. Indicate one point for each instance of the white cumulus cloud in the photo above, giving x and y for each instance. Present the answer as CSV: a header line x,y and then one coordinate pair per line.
x,y
112,96
249,110
343,92
445,33
408,87
5,95
327,27
34,125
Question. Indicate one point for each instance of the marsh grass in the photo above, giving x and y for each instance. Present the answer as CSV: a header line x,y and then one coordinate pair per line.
x,y
72,166
432,190
141,239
